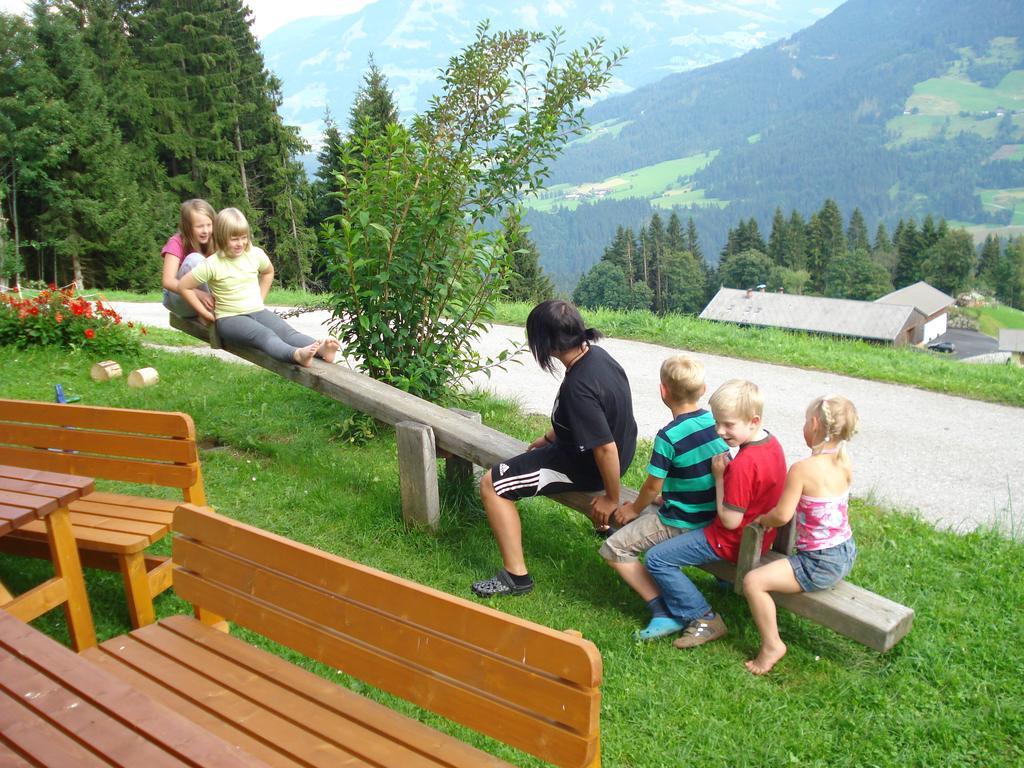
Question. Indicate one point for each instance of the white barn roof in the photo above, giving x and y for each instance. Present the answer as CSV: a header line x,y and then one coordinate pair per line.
x,y
926,299
816,314
1011,340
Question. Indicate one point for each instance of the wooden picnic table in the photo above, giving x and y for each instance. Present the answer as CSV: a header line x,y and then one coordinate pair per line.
x,y
30,494
58,709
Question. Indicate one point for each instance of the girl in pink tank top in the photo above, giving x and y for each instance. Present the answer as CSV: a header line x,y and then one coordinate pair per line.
x,y
817,493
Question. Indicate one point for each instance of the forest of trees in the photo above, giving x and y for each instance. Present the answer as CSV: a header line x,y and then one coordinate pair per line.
x,y
112,112
663,268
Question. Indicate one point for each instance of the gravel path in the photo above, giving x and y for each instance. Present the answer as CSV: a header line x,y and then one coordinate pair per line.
x,y
950,458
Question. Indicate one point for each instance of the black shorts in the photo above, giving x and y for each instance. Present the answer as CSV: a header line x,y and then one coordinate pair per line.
x,y
543,472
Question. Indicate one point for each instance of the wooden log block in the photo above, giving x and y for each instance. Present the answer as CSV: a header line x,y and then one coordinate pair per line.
x,y
105,370
785,539
417,468
143,377
750,554
458,470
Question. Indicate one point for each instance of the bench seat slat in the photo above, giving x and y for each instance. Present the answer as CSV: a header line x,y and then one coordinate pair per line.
x,y
94,538
396,639
128,500
480,626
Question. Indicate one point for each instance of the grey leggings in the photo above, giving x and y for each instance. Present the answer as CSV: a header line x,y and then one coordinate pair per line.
x,y
265,331
176,302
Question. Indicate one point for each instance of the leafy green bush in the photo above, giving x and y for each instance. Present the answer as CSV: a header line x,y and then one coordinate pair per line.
x,y
58,318
415,268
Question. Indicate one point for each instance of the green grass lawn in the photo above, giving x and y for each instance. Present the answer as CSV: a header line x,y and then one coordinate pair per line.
x,y
991,319
899,365
658,182
275,456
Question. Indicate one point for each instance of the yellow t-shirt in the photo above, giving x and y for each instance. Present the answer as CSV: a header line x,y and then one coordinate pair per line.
x,y
234,282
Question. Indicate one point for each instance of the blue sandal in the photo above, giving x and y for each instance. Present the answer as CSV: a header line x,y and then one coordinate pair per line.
x,y
660,626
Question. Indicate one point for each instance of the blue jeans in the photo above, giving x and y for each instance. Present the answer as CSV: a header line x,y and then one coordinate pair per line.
x,y
663,561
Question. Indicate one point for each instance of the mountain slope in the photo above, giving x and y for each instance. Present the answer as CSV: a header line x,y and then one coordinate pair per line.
x,y
321,60
822,114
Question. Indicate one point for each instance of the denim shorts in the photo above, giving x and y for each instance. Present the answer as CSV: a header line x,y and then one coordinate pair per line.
x,y
821,568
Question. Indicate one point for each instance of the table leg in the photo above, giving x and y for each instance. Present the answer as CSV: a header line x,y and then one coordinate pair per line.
x,y
68,567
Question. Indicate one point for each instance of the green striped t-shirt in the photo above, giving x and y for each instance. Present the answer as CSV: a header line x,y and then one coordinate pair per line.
x,y
682,457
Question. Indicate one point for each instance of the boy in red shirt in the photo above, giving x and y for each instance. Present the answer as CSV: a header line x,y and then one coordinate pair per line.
x,y
747,486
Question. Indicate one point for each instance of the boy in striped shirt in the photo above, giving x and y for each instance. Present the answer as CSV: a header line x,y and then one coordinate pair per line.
x,y
679,479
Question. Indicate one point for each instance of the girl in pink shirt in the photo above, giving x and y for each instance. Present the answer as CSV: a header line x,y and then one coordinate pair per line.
x,y
186,248
817,491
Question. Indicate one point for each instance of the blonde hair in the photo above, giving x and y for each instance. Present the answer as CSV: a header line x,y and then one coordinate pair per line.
x,y
230,222
186,217
838,417
737,397
683,378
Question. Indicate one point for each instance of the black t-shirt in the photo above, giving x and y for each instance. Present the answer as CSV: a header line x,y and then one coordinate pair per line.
x,y
594,407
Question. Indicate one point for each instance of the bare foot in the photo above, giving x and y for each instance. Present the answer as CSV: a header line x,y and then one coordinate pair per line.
x,y
766,659
304,355
328,349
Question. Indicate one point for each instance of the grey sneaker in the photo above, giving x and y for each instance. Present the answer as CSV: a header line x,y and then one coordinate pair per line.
x,y
700,631
499,585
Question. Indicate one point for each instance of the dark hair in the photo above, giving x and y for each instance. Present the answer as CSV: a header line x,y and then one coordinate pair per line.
x,y
554,326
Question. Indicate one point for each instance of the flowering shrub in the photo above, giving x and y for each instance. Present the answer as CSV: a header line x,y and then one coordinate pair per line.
x,y
57,317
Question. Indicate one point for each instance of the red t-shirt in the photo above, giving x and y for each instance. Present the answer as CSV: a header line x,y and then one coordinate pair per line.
x,y
753,485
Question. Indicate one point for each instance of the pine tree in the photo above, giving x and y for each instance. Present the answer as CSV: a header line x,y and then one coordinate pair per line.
x,y
777,240
827,242
675,238
909,251
949,263
692,242
1009,274
988,259
374,101
857,232
527,281
87,215
882,241
796,240
683,283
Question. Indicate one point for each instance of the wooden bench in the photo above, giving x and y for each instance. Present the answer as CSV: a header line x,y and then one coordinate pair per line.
x,y
427,431
531,687
112,529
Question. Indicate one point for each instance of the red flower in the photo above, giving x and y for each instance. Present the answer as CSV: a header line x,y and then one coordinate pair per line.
x,y
89,333
52,286
59,317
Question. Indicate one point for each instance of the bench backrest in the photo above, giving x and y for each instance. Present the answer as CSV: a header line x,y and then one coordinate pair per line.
x,y
529,686
147,447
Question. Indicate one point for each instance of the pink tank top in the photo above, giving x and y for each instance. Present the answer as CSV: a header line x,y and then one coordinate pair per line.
x,y
822,523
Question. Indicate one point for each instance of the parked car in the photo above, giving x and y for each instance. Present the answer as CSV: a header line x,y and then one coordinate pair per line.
x,y
943,346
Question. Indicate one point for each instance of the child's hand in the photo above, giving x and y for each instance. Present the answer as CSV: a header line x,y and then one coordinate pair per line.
x,y
718,464
206,299
601,510
625,514
540,442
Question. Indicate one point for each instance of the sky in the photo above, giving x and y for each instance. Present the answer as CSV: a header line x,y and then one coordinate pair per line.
x,y
268,14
